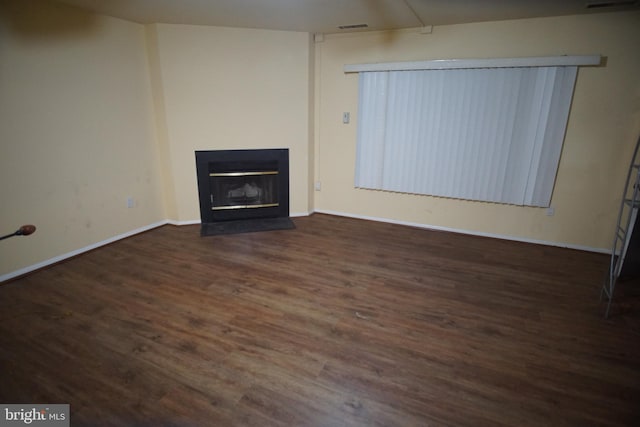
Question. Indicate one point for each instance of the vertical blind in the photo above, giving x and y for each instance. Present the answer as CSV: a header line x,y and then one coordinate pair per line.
x,y
489,134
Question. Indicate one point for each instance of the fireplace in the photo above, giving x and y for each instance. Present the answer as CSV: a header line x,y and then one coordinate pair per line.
x,y
243,190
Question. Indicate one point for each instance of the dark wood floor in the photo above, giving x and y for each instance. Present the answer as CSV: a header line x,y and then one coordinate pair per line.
x,y
340,322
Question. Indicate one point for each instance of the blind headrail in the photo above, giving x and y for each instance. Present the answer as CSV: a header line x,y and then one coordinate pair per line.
x,y
451,64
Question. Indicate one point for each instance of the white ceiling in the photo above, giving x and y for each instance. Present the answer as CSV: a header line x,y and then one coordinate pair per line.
x,y
324,16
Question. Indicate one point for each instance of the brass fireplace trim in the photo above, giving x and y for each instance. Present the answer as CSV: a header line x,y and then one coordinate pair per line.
x,y
244,173
267,205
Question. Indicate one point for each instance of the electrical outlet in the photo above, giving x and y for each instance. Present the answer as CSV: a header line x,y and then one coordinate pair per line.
x,y
130,202
346,117
318,186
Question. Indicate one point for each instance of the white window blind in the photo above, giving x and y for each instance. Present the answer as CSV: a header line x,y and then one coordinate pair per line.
x,y
489,134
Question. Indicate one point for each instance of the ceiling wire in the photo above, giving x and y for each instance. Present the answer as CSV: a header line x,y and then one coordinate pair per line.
x,y
406,2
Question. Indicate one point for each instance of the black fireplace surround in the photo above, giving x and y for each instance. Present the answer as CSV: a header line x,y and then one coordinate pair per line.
x,y
240,188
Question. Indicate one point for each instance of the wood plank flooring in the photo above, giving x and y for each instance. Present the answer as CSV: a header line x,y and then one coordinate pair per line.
x,y
340,322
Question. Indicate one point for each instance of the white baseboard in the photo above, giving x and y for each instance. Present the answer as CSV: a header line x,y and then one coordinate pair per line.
x,y
472,233
188,222
62,257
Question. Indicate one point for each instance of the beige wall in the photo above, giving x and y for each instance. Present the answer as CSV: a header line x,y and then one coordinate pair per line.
x,y
602,130
95,110
76,131
229,88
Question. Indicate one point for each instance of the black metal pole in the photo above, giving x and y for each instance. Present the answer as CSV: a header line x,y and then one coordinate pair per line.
x,y
7,236
25,230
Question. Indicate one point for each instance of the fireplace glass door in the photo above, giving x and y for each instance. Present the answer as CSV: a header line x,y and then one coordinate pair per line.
x,y
243,185
244,190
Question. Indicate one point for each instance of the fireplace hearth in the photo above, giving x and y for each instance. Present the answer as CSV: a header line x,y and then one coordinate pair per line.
x,y
243,190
